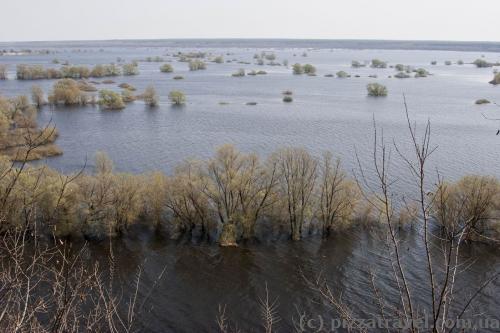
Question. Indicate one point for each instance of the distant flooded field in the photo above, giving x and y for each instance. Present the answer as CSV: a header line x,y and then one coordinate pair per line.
x,y
248,96
327,113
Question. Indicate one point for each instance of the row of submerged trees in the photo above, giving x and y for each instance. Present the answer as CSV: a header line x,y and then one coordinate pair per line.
x,y
37,72
226,199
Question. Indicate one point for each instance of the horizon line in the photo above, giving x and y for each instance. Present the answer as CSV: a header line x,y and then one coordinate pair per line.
x,y
254,39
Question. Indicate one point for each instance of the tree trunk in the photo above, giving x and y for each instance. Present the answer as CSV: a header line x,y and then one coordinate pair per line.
x,y
296,232
228,235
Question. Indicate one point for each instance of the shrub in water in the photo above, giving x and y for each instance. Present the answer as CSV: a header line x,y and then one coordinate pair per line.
x,y
37,96
309,69
357,64
376,90
298,69
127,96
150,97
86,86
130,69
421,72
482,101
401,75
481,63
166,68
376,63
496,79
67,92
239,73
400,67
342,74
177,97
195,65
110,100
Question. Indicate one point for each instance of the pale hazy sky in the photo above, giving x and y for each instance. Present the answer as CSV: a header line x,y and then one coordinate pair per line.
x,y
331,19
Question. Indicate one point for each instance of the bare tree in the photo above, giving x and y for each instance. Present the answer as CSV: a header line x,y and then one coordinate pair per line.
x,y
297,172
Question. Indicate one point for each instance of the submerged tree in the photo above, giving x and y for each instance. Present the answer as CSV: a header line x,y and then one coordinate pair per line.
x,y
376,90
377,63
338,196
177,97
297,172
37,96
150,97
166,68
496,79
298,69
3,72
111,100
67,92
130,69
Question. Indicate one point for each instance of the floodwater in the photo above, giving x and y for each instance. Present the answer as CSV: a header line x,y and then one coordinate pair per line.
x,y
326,114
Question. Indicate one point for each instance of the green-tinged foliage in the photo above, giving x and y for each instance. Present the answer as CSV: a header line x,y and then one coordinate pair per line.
x,y
130,69
304,69
105,71
481,63
376,63
298,69
177,97
376,90
309,69
468,207
110,100
166,68
19,128
402,75
342,74
67,92
38,72
421,72
400,67
154,59
226,196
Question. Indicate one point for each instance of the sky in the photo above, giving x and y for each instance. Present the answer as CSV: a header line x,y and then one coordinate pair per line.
x,y
39,20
